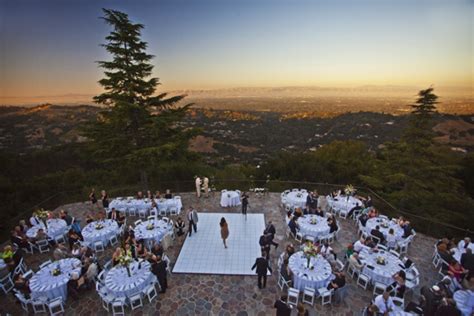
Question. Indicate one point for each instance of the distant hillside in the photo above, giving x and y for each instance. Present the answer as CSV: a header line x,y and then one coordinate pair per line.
x,y
233,135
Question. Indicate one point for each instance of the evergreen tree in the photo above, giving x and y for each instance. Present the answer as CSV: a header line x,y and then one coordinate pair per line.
x,y
420,127
136,128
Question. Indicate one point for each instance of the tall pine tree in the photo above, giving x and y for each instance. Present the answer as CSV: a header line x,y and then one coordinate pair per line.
x,y
136,128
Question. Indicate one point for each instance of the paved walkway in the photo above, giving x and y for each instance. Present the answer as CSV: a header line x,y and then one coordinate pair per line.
x,y
231,295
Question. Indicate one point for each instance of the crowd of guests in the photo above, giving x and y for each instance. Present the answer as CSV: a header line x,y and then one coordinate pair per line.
x,y
293,216
460,270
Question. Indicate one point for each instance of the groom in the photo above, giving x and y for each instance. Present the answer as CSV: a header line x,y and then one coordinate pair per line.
x,y
192,220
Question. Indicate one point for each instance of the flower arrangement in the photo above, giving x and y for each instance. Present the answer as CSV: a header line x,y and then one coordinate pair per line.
x,y
349,190
384,224
99,226
380,260
310,250
41,214
150,226
313,220
299,195
228,195
125,259
56,271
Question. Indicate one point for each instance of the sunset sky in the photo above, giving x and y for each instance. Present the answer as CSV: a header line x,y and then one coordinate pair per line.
x,y
49,47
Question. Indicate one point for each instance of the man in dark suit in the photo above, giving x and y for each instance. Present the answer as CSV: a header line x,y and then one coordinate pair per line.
x,y
467,261
265,244
158,268
262,266
245,203
282,308
271,231
293,225
377,233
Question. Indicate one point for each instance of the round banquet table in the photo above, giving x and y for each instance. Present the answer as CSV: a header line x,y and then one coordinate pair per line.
x,y
119,284
317,230
144,204
56,227
316,278
343,204
464,301
385,226
91,234
296,198
45,284
160,228
380,273
230,198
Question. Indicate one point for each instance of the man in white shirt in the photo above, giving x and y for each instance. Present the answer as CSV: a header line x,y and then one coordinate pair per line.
x,y
384,303
465,243
198,187
359,245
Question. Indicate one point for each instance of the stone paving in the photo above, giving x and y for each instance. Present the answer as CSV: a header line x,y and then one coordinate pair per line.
x,y
231,295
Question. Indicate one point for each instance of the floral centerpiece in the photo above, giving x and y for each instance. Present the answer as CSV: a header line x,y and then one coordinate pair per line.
x,y
299,195
150,226
125,259
99,226
313,220
380,260
42,214
56,271
349,190
310,250
384,224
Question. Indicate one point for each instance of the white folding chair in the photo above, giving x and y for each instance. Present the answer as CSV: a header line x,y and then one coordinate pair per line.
x,y
308,295
43,246
379,288
113,240
132,211
396,254
325,295
99,246
138,222
118,307
173,210
106,300
299,237
282,282
142,213
23,301
381,247
44,264
6,284
165,219
56,306
59,239
153,213
39,304
136,301
340,265
293,296
363,281
151,218
150,292
352,271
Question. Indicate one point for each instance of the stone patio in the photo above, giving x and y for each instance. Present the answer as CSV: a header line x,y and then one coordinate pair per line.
x,y
231,295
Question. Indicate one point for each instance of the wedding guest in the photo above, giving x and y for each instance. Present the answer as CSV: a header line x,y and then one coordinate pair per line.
x,y
73,238
290,250
76,251
149,195
373,213
141,250
92,198
158,268
113,214
121,219
21,284
192,220
205,186
358,207
23,226
355,261
179,225
319,212
398,287
157,249
245,202
224,231
263,267
282,309
298,212
89,218
91,272
301,310
456,271
264,244
407,230
349,251
60,252
467,261
19,240
464,243
391,239
384,303
198,183
157,195
378,234
168,194
105,199
139,195
359,245
338,282
34,220
332,224
285,272
41,235
271,231
293,225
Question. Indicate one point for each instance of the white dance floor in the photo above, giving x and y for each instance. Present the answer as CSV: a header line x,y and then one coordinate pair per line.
x,y
204,251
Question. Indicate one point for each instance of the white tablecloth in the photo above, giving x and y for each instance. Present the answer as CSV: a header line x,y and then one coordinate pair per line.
x,y
317,230
44,284
230,198
373,222
465,302
343,204
55,228
296,199
157,233
380,273
91,234
118,283
124,204
316,278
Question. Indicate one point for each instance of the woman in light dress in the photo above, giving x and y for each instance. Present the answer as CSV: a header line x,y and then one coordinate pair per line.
x,y
224,231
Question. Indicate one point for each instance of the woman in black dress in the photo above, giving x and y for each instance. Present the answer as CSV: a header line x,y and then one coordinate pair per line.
x,y
105,199
92,198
